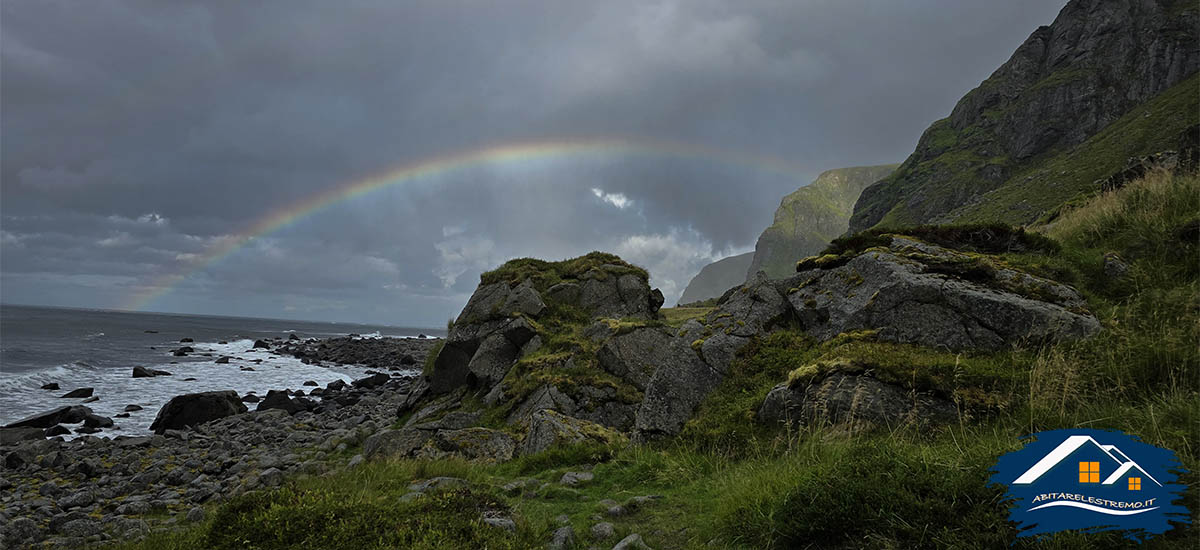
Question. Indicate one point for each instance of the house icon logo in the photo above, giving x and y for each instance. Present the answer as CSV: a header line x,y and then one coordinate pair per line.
x,y
1091,480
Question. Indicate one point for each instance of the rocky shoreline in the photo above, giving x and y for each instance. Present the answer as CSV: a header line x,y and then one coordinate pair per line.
x,y
69,493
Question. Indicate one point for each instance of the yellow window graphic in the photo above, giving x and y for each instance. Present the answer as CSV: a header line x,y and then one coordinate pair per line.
x,y
1135,484
1089,472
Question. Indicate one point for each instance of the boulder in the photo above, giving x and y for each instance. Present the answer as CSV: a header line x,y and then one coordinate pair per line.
x,y
62,415
276,399
9,436
50,386
548,428
493,359
681,381
854,399
261,344
371,382
545,397
196,408
395,443
914,292
143,372
222,360
477,443
79,393
629,356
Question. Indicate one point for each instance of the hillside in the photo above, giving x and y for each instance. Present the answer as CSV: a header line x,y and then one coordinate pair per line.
x,y
715,278
1031,136
810,217
908,447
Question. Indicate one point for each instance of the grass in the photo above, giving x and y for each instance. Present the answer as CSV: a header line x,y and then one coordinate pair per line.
x,y
547,274
730,482
677,316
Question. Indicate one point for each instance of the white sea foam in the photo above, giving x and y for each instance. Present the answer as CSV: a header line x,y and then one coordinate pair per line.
x,y
116,388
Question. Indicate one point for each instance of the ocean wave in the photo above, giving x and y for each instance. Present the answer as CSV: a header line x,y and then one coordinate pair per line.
x,y
38,378
93,336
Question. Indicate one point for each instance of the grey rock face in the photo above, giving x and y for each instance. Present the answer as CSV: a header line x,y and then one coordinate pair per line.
x,y
545,397
477,443
1058,89
627,356
548,428
192,409
857,400
403,442
909,295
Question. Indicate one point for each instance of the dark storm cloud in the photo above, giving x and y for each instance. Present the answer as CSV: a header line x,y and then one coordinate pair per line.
x,y
137,135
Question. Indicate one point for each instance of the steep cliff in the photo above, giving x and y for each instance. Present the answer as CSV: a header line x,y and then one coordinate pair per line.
x,y
810,217
715,278
1098,61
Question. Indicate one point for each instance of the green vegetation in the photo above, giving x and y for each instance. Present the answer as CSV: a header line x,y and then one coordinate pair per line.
x,y
811,216
729,481
546,274
677,316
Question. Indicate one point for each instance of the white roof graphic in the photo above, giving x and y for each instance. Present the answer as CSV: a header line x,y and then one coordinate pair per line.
x,y
1072,444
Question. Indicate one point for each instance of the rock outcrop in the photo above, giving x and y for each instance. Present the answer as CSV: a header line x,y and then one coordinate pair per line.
x,y
1098,61
918,293
557,368
856,400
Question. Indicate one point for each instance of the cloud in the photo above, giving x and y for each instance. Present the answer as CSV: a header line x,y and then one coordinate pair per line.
x,y
119,170
618,200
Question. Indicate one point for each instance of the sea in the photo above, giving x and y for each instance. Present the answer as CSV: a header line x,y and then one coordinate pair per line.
x,y
79,348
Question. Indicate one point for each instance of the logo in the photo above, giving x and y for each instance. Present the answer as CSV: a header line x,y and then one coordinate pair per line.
x,y
1091,480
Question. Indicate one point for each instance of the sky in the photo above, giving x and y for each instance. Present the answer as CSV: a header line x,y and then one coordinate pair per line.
x,y
142,144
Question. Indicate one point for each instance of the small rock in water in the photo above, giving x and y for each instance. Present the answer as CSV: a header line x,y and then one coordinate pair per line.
x,y
50,386
150,331
309,383
222,359
90,399
131,408
250,398
81,392
57,429
186,340
121,415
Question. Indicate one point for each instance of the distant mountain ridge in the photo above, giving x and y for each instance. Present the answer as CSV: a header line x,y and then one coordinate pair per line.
x,y
810,217
715,278
1027,139
807,219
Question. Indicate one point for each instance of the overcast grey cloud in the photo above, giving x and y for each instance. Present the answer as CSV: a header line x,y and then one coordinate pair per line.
x,y
136,136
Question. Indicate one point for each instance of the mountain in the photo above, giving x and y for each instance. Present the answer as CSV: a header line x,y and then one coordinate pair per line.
x,y
716,278
810,217
1106,81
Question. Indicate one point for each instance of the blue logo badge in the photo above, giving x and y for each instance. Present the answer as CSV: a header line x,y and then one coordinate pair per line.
x,y
1092,480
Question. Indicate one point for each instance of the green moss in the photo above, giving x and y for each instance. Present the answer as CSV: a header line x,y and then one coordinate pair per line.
x,y
600,265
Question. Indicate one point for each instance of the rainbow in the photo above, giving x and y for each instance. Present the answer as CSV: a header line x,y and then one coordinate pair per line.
x,y
289,214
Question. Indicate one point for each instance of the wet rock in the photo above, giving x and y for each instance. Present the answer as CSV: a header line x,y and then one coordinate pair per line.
x,y
278,400
261,344
371,382
62,415
143,372
50,386
79,393
196,408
